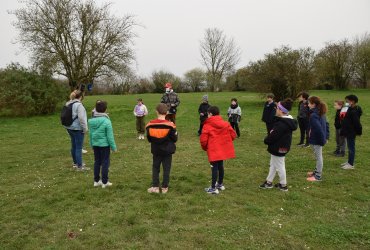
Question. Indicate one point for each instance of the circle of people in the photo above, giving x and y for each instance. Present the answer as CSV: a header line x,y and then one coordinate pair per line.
x,y
216,135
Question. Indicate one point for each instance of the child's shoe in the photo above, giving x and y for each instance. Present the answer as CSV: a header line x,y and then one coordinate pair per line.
x,y
211,190
266,185
84,151
220,187
281,187
314,178
348,166
164,190
153,190
97,184
83,168
301,144
108,184
306,145
343,164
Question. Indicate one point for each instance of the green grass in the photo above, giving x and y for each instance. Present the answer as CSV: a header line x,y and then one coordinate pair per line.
x,y
43,199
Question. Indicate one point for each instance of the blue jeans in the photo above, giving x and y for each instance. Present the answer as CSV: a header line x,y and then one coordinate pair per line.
x,y
217,171
101,156
351,143
77,140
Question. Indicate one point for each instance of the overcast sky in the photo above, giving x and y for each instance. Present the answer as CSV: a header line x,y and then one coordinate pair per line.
x,y
173,28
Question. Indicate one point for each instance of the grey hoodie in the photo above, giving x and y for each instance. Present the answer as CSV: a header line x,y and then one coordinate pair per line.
x,y
78,110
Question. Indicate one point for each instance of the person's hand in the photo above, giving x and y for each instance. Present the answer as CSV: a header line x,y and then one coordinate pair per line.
x,y
173,105
201,114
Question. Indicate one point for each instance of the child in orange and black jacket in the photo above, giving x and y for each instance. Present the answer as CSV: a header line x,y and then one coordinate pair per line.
x,y
162,135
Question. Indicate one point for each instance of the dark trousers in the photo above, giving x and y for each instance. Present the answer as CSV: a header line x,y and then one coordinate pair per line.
x,y
235,126
217,171
77,140
341,142
269,127
351,144
171,118
140,124
201,127
101,156
303,127
166,161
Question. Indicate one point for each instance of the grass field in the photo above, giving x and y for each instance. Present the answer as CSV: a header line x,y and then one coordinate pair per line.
x,y
46,205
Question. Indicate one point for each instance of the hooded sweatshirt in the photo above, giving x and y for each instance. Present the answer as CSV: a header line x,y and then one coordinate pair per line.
x,y
279,139
319,128
217,139
203,108
101,131
78,111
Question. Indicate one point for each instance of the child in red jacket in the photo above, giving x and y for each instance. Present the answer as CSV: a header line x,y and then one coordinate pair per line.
x,y
217,139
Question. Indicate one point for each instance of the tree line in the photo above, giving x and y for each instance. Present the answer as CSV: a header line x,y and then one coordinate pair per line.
x,y
86,43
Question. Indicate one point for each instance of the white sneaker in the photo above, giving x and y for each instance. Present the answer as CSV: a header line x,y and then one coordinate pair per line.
x,y
348,166
343,164
108,184
83,168
84,151
97,184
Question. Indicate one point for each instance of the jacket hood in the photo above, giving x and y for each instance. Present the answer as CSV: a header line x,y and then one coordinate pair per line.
x,y
216,122
290,121
98,120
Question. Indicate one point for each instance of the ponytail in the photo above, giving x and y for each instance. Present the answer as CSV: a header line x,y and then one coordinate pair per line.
x,y
76,94
320,105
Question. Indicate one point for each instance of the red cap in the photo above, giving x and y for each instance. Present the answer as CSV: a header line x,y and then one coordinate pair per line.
x,y
168,85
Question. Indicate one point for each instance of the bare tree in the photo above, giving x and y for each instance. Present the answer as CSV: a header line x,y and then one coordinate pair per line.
x,y
362,59
219,54
77,39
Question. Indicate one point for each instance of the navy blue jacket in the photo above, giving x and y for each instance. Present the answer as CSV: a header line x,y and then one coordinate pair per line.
x,y
319,128
269,112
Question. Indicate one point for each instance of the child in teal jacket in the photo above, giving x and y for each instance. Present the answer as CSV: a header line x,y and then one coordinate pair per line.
x,y
102,141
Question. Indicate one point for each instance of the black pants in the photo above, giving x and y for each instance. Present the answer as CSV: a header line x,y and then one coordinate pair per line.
x,y
269,127
303,127
217,171
166,161
101,156
235,126
201,127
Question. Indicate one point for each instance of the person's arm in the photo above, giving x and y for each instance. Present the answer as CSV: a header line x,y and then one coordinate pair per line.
x,y
228,112
204,139
316,128
173,135
177,100
82,117
273,136
145,110
163,99
327,131
356,123
148,135
90,138
110,136
135,111
239,111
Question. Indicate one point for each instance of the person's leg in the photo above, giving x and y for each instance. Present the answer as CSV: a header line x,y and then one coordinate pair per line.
x,y
232,125
214,170
272,171
337,140
306,130
200,127
97,163
73,145
280,168
319,160
138,125
351,150
142,125
79,140
237,129
105,153
155,170
342,145
166,162
221,172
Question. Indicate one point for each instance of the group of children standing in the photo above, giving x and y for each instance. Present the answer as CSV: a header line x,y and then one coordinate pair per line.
x,y
314,130
217,135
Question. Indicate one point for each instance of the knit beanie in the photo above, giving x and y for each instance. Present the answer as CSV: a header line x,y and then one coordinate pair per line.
x,y
205,98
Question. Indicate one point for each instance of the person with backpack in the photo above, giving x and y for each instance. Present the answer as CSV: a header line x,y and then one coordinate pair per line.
x,y
171,99
74,119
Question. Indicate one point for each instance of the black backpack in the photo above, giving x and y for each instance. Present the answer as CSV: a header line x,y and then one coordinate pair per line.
x,y
66,115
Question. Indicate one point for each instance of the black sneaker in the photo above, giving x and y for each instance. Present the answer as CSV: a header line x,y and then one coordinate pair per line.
x,y
301,144
306,145
336,152
266,185
281,187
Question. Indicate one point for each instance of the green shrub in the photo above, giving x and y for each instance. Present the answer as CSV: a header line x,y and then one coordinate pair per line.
x,y
24,92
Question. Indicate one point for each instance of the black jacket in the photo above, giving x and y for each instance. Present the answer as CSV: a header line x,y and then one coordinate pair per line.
x,y
269,112
203,108
162,135
303,110
280,138
338,120
351,125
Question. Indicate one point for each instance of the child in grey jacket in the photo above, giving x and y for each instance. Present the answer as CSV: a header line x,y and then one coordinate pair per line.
x,y
234,113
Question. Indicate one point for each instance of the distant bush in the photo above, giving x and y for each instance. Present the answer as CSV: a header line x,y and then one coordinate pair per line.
x,y
24,92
